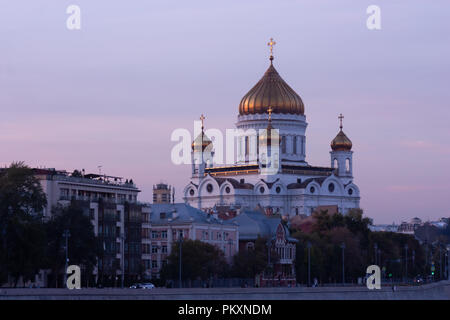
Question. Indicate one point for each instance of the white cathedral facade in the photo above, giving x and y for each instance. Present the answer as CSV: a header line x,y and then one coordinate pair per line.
x,y
294,187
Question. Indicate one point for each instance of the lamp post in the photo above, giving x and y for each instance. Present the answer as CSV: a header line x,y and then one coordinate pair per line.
x,y
66,234
180,244
269,245
406,262
343,263
122,240
379,257
6,252
308,245
230,242
375,246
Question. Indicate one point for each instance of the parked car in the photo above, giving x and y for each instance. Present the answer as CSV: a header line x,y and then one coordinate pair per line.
x,y
135,286
418,279
147,285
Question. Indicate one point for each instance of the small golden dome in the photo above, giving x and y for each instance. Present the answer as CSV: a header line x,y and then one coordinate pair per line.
x,y
202,141
341,142
271,91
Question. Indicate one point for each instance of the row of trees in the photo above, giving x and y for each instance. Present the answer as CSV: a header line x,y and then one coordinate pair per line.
x,y
398,255
202,261
30,243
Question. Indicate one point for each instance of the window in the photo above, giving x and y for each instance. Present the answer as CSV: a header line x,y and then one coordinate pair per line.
x,y
118,215
347,165
64,194
191,192
261,189
154,264
154,249
294,145
209,188
227,190
164,249
247,146
278,189
164,234
92,214
154,235
331,187
312,190
350,191
283,144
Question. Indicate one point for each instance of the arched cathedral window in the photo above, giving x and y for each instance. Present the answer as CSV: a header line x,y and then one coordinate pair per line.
x,y
294,145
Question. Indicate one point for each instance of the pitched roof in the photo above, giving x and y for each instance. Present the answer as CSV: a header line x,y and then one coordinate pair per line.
x,y
181,213
254,224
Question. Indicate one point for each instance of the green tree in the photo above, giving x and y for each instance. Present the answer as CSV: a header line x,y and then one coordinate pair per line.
x,y
84,246
200,260
252,261
22,236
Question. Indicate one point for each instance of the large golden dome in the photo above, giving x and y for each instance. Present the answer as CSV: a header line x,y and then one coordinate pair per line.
x,y
341,142
271,91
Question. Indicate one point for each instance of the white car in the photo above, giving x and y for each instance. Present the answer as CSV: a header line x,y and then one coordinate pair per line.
x,y
147,285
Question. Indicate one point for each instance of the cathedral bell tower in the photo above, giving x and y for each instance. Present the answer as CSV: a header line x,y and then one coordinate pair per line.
x,y
202,153
341,154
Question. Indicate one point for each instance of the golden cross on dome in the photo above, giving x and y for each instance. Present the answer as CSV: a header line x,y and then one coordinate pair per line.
x,y
271,43
340,119
202,117
270,113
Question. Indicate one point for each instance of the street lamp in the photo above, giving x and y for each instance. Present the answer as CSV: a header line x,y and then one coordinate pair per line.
x,y
66,234
376,251
379,257
269,269
180,244
343,263
406,262
230,242
308,245
122,240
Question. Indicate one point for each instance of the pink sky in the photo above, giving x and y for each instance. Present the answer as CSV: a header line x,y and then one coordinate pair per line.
x,y
111,93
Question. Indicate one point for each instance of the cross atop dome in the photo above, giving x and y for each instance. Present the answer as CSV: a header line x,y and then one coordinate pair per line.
x,y
340,119
202,117
271,43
